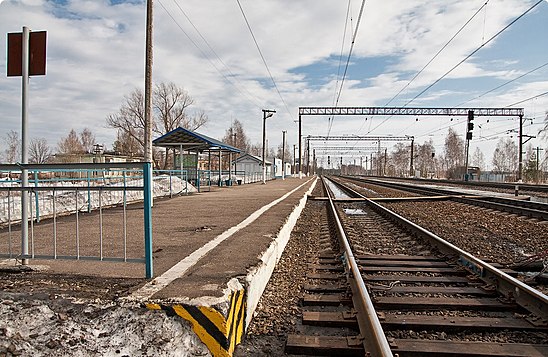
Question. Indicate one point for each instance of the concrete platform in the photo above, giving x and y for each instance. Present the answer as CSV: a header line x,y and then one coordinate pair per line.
x,y
214,253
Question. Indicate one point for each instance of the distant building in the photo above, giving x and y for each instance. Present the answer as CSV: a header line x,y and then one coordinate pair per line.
x,y
252,166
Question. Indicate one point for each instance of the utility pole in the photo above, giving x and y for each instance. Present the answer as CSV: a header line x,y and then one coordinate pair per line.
x,y
307,156
148,82
313,161
412,154
283,154
294,159
385,156
300,148
267,113
538,159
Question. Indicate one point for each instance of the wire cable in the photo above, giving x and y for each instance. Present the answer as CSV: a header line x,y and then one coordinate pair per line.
x,y
525,100
473,53
232,75
226,78
264,61
462,61
340,57
348,60
502,85
437,53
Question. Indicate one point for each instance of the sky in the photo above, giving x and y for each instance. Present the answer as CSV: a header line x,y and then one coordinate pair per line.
x,y
96,50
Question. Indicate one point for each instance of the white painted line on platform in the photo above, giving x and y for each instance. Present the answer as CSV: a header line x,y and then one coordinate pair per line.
x,y
179,269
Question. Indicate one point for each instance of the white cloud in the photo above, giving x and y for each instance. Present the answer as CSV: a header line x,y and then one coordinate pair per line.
x,y
96,56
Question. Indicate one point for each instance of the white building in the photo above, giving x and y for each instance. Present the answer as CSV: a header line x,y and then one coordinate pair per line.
x,y
251,167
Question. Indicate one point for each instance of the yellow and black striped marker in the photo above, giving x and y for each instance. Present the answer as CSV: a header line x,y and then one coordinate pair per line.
x,y
219,334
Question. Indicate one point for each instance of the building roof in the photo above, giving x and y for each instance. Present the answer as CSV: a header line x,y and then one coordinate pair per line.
x,y
191,140
247,156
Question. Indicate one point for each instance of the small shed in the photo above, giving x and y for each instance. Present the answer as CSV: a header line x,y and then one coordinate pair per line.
x,y
252,167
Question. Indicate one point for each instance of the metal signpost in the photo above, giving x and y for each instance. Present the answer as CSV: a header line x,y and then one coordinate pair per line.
x,y
26,57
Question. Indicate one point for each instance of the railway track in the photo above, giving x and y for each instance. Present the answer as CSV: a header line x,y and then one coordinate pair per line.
x,y
525,208
384,286
477,184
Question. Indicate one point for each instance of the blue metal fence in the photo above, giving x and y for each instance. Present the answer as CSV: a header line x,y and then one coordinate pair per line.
x,y
69,189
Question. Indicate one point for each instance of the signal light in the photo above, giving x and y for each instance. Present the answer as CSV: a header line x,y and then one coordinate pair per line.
x,y
328,160
469,135
470,115
470,126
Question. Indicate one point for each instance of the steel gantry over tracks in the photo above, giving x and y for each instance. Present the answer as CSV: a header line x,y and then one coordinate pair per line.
x,y
355,138
494,112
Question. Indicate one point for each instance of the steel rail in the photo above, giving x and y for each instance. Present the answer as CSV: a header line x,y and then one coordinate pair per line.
x,y
502,185
525,208
374,338
524,295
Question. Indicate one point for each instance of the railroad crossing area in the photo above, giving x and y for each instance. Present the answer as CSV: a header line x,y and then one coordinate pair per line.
x,y
213,252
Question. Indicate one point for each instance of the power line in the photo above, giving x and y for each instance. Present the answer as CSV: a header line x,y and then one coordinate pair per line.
x,y
340,61
473,53
525,100
506,83
348,60
437,53
264,61
426,65
226,78
233,76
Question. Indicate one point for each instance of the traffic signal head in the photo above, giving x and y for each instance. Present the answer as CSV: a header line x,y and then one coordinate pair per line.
x,y
470,115
469,135
470,126
328,159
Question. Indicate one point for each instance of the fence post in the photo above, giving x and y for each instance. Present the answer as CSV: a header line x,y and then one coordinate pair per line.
x,y
147,201
36,197
89,190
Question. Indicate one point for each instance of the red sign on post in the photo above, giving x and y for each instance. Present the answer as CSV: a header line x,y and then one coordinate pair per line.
x,y
37,53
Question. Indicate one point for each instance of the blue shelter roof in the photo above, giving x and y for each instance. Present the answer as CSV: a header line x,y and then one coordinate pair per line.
x,y
191,140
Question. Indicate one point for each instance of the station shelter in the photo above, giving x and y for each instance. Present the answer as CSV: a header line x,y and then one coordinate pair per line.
x,y
189,146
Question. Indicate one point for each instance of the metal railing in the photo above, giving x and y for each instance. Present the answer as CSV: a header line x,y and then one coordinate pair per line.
x,y
67,215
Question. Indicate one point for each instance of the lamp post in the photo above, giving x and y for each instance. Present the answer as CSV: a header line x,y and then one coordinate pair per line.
x,y
267,113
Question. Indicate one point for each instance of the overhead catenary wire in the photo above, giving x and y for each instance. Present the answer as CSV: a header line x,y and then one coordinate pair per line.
x,y
341,56
463,60
504,84
528,99
348,59
264,60
225,77
426,65
232,75
437,53
472,53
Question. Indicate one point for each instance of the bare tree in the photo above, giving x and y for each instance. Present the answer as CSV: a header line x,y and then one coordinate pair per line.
x,y
236,136
70,144
87,139
544,131
13,142
400,157
39,151
505,157
130,119
170,105
454,152
478,159
424,158
126,144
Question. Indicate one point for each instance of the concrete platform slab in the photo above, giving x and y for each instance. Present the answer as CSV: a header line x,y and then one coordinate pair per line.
x,y
213,253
